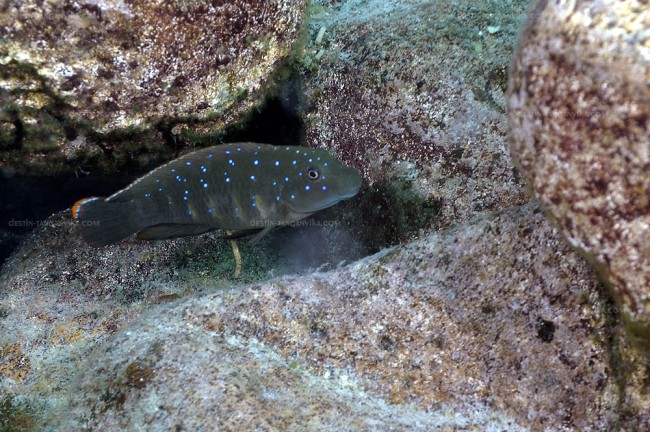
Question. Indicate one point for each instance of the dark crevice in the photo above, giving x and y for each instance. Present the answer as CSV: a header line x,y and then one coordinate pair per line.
x,y
26,201
168,136
278,121
19,134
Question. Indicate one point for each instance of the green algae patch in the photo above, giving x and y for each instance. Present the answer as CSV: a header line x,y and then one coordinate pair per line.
x,y
639,334
16,417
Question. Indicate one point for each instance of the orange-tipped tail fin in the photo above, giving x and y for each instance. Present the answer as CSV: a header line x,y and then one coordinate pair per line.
x,y
77,206
104,222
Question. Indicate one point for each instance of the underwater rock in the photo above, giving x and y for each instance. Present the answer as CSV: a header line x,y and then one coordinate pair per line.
x,y
233,382
579,107
412,93
74,296
498,321
70,70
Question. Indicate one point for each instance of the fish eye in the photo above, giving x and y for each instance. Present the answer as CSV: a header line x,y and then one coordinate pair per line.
x,y
312,173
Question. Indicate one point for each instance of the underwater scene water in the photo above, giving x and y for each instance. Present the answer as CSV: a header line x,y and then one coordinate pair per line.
x,y
353,215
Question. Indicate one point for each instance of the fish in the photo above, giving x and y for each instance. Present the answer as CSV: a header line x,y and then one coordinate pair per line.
x,y
239,188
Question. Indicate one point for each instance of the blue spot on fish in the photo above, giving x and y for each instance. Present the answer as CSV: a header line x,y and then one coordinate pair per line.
x,y
293,162
188,163
227,151
178,178
187,192
286,179
184,198
324,188
205,185
210,156
189,212
307,187
277,197
293,196
228,180
204,169
277,163
231,162
253,178
256,162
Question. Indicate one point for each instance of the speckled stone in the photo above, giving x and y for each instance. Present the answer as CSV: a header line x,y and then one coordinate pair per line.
x,y
579,102
498,321
72,69
413,93
233,383
63,297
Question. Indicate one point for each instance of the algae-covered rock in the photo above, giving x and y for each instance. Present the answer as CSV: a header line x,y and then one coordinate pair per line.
x,y
580,117
74,297
497,321
493,324
413,92
70,70
235,383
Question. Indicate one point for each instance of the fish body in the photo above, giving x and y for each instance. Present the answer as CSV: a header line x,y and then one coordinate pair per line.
x,y
236,187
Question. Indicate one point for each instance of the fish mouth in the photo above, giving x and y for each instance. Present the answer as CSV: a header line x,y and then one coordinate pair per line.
x,y
348,195
353,189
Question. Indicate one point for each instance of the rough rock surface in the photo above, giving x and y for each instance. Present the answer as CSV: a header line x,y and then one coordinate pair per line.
x,y
412,93
580,115
107,288
495,324
70,70
498,320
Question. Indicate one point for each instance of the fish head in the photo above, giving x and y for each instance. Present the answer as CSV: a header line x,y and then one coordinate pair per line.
x,y
321,181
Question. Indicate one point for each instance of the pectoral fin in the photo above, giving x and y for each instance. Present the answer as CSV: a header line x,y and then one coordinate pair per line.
x,y
260,235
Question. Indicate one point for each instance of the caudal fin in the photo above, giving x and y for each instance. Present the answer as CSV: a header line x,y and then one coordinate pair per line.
x,y
102,223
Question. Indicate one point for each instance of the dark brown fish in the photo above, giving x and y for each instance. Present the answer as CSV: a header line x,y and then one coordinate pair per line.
x,y
236,187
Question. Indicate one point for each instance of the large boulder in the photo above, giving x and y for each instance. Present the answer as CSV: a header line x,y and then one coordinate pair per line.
x,y
94,78
579,107
498,321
